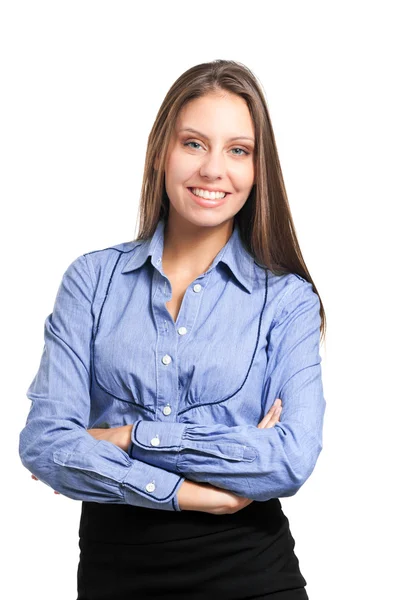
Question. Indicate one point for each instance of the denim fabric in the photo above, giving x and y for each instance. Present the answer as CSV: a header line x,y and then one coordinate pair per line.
x,y
195,389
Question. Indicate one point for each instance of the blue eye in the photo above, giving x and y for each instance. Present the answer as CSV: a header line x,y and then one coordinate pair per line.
x,y
241,149
187,143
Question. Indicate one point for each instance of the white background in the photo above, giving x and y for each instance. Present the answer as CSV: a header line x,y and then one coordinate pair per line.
x,y
81,85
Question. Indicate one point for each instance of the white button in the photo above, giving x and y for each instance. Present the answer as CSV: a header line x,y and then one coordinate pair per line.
x,y
158,260
197,287
150,487
166,359
155,441
182,330
167,410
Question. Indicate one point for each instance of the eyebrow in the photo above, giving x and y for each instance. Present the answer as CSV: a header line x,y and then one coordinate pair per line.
x,y
238,137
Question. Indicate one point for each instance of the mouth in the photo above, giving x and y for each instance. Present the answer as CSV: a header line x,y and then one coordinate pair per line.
x,y
206,202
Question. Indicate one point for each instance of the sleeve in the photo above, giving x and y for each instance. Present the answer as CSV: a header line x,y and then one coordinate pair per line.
x,y
54,444
257,463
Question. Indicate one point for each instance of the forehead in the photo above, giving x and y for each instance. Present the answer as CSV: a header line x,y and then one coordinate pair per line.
x,y
226,113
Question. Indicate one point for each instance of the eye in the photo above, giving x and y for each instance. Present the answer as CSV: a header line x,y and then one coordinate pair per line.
x,y
187,144
245,151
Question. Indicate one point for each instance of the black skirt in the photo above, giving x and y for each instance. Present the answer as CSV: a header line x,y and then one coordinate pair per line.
x,y
133,552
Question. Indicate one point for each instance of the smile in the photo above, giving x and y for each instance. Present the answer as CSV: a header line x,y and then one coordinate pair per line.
x,y
208,202
207,194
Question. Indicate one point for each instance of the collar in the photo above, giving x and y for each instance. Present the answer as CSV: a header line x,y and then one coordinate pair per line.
x,y
233,254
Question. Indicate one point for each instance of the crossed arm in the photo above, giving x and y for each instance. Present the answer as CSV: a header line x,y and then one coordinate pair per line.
x,y
56,446
191,495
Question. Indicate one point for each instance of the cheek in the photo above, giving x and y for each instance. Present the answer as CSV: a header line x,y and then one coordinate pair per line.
x,y
249,176
242,179
178,169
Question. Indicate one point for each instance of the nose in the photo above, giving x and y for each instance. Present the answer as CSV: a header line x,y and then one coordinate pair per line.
x,y
213,165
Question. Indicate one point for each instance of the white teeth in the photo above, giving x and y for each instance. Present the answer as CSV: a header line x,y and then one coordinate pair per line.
x,y
208,195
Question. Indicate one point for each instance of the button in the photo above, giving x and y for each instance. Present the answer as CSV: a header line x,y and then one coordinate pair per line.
x,y
197,287
158,260
167,410
155,441
182,330
150,487
166,359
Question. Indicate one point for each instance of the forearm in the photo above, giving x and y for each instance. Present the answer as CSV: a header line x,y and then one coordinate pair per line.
x,y
73,463
201,497
254,463
204,498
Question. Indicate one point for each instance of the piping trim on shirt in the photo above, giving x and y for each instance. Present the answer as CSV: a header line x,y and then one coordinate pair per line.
x,y
198,404
201,404
94,339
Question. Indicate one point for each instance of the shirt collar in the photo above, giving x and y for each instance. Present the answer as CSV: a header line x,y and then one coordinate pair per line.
x,y
233,254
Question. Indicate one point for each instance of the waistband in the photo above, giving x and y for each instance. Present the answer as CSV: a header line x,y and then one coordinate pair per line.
x,y
128,524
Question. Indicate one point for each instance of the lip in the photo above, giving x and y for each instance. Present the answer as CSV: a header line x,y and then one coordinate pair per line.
x,y
207,203
207,189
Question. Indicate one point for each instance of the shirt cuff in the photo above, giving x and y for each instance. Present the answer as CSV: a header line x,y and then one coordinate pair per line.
x,y
157,487
149,437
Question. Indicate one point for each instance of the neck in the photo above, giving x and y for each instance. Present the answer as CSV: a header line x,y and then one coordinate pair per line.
x,y
191,249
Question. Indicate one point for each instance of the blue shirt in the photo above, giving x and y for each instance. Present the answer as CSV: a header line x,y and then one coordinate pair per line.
x,y
195,389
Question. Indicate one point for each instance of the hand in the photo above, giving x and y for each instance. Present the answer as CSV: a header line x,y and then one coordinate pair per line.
x,y
272,416
120,436
270,420
205,497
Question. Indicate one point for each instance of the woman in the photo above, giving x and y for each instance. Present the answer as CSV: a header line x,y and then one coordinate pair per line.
x,y
154,400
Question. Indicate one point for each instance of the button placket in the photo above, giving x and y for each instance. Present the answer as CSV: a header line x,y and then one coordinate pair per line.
x,y
169,340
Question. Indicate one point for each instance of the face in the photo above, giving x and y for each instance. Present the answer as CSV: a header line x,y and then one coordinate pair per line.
x,y
208,158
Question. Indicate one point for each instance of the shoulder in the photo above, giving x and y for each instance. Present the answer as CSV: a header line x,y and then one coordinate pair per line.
x,y
290,293
99,263
115,250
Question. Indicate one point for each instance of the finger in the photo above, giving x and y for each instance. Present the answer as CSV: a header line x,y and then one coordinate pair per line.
x,y
264,422
33,477
271,420
275,418
270,415
267,417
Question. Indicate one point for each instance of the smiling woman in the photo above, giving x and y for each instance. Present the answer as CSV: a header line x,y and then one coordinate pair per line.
x,y
210,162
179,393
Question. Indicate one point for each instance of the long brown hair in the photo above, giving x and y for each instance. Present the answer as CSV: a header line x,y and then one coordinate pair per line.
x,y
265,221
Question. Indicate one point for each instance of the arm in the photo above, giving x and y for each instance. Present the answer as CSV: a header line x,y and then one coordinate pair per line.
x,y
207,498
54,443
257,463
